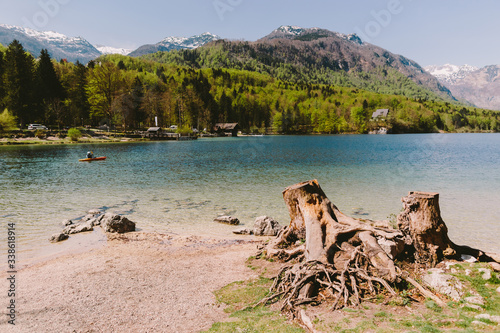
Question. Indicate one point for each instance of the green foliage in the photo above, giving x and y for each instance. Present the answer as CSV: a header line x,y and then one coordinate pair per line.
x,y
74,134
7,122
199,88
40,133
184,130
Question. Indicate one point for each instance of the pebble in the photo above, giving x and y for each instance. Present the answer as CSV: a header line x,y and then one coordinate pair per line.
x,y
495,266
489,317
472,306
475,300
468,258
479,323
486,273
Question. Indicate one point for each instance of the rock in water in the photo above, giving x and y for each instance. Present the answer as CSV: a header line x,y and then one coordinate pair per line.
x,y
116,223
58,237
266,226
65,223
80,227
227,219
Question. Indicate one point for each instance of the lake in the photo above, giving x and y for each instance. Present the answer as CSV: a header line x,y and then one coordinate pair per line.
x,y
181,187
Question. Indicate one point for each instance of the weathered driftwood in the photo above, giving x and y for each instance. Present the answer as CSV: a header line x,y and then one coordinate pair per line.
x,y
340,258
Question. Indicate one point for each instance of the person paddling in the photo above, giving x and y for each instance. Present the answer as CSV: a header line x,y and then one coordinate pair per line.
x,y
90,154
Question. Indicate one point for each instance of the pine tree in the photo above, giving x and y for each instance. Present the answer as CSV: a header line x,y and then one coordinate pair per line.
x,y
2,80
48,90
19,81
78,99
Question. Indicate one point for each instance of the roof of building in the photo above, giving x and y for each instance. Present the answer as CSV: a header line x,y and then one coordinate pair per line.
x,y
380,113
226,126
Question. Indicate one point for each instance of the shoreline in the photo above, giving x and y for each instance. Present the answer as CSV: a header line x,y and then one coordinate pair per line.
x,y
56,141
137,281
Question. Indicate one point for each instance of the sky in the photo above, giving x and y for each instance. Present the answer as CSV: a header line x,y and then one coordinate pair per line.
x,y
431,32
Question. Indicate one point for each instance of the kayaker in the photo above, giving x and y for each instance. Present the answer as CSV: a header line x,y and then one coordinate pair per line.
x,y
90,154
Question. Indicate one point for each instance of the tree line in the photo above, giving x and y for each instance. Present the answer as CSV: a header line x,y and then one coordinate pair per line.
x,y
131,93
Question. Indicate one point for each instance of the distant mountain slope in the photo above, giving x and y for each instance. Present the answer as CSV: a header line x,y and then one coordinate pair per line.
x,y
175,43
479,86
317,55
58,45
450,73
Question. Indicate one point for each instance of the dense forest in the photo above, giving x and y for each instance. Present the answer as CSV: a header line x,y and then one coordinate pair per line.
x,y
130,92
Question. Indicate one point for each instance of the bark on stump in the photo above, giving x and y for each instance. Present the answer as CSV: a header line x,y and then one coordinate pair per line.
x,y
421,220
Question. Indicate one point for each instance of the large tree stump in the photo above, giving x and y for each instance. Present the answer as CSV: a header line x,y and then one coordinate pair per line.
x,y
421,221
345,259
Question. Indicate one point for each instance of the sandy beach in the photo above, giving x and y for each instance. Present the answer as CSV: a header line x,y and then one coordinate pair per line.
x,y
138,282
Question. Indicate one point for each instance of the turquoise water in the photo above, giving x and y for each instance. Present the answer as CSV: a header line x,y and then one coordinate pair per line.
x,y
182,186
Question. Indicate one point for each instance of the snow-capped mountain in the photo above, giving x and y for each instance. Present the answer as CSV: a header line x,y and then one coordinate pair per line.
x,y
479,86
77,48
176,43
112,50
59,46
449,73
295,32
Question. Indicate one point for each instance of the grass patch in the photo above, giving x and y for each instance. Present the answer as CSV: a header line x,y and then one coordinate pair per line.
x,y
239,295
239,298
260,319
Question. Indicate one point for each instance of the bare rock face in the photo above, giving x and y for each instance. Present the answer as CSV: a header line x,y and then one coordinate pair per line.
x,y
266,226
227,219
115,223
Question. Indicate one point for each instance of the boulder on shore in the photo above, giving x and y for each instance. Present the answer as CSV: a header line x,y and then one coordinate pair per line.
x,y
227,219
58,237
115,223
80,227
266,226
243,231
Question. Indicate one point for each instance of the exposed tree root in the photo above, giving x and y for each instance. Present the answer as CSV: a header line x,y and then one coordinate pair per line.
x,y
343,261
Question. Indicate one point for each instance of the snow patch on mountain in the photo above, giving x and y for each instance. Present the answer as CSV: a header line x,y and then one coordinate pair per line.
x,y
292,31
449,73
192,42
59,45
175,43
112,50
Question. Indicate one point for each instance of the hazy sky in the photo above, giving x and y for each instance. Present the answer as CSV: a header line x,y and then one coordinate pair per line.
x,y
427,31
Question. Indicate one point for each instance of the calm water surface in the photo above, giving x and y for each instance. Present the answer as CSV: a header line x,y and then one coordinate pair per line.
x,y
181,186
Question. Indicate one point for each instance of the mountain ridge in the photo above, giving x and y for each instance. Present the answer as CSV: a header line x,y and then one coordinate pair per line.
x,y
175,43
75,49
316,56
59,46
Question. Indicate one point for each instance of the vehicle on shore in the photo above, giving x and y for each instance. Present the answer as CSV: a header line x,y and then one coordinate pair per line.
x,y
37,126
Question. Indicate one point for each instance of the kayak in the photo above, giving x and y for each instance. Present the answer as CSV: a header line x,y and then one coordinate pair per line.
x,y
93,159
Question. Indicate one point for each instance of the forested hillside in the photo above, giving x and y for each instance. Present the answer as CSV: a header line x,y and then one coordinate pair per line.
x,y
131,92
317,59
